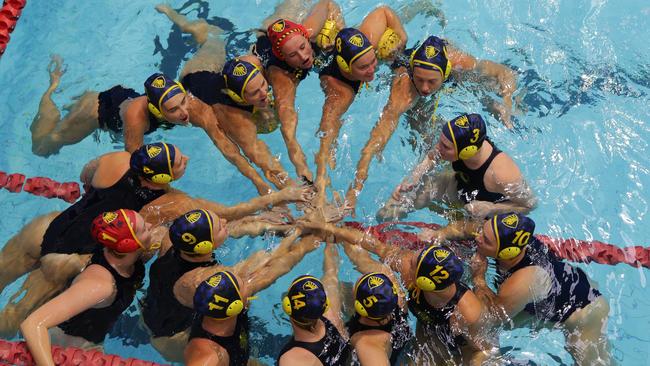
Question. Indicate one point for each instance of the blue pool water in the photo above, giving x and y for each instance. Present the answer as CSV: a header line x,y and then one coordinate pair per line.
x,y
581,141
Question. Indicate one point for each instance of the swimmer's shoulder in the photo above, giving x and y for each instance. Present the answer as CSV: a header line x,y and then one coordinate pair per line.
x,y
371,346
504,169
298,356
137,110
111,167
470,308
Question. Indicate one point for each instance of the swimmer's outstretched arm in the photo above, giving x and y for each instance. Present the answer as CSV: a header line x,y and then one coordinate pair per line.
x,y
330,280
504,75
430,160
201,115
93,286
136,124
400,99
175,203
284,92
255,149
260,269
396,257
338,99
280,263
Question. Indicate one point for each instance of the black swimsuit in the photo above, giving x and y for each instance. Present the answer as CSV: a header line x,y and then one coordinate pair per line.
x,y
332,69
436,320
69,232
236,344
94,324
470,183
162,313
208,86
398,327
331,350
570,288
109,110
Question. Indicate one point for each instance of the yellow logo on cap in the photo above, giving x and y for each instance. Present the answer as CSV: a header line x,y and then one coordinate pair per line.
x,y
462,122
109,217
309,286
375,281
278,26
511,221
193,217
153,151
146,170
356,40
158,82
214,281
441,254
338,44
431,52
240,70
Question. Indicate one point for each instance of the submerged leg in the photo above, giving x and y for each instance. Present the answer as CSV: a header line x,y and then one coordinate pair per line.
x,y
22,252
41,285
48,114
586,334
212,52
80,122
295,10
48,135
172,348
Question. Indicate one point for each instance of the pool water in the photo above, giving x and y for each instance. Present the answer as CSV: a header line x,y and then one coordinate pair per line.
x,y
581,138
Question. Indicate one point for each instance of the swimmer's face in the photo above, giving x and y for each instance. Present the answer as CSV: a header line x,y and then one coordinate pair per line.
x,y
363,68
180,163
486,241
446,149
257,90
142,230
298,52
175,109
220,231
427,81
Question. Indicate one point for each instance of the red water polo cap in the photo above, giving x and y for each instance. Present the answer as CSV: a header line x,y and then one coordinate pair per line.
x,y
280,32
115,230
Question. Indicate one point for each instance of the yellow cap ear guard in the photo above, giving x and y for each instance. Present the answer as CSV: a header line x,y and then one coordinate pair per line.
x,y
327,34
388,43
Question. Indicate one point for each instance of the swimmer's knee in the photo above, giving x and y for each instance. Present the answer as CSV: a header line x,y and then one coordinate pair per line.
x,y
44,146
60,268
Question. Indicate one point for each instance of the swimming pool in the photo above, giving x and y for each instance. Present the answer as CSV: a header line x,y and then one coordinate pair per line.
x,y
581,139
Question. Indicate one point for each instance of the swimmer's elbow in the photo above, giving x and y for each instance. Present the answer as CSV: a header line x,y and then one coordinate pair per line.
x,y
30,327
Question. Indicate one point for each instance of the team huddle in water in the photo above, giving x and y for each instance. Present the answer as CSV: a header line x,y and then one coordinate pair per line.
x,y
85,264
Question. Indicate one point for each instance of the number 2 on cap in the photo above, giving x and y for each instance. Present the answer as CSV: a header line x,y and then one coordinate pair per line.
x,y
442,276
